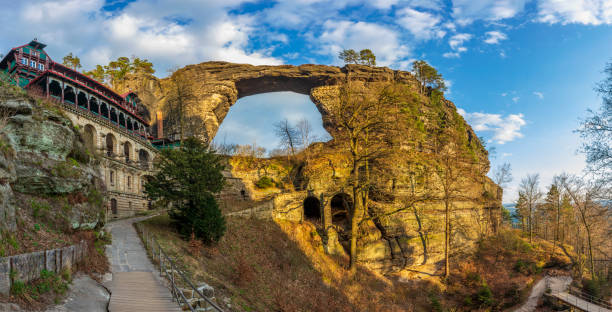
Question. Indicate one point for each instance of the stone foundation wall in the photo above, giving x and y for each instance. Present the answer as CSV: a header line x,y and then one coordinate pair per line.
x,y
27,267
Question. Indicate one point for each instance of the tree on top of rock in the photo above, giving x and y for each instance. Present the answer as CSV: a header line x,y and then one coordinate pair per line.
x,y
364,57
427,76
116,71
72,61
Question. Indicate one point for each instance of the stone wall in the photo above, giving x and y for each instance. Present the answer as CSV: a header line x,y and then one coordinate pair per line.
x,y
27,267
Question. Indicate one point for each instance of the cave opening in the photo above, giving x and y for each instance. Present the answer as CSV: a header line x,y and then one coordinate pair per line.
x,y
312,209
341,206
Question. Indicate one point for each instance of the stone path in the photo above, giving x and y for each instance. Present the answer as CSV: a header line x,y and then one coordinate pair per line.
x,y
84,294
136,286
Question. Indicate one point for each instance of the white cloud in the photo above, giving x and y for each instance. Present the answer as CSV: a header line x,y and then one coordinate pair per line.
x,y
538,94
494,37
504,128
504,94
384,42
504,155
467,11
515,99
456,43
168,33
451,55
457,40
421,25
589,12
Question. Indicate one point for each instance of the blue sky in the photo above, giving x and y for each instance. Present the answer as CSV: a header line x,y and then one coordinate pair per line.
x,y
521,71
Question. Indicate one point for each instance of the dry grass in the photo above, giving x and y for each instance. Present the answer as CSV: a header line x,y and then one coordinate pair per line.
x,y
281,266
269,266
505,264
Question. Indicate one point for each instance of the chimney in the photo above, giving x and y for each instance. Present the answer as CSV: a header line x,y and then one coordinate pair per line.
x,y
160,125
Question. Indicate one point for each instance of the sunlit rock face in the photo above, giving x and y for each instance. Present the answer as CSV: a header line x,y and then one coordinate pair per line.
x,y
386,244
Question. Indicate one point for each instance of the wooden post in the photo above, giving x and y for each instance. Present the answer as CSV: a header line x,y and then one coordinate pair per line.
x,y
76,97
47,95
63,92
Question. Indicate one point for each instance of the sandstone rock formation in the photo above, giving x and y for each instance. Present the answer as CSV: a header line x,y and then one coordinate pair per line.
x,y
42,159
387,243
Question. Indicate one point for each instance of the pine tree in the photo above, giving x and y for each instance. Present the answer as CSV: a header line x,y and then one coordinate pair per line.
x,y
187,179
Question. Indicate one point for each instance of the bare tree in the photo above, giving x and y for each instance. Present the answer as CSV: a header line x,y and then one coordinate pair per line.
x,y
530,188
596,130
586,198
502,176
363,132
288,135
305,133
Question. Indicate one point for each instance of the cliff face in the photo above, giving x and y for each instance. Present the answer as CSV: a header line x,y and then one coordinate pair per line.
x,y
46,174
411,237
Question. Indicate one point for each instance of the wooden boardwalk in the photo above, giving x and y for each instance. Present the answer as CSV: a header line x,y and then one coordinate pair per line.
x,y
578,303
134,287
139,291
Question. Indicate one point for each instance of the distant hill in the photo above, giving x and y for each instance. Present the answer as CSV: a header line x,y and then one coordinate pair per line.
x,y
512,208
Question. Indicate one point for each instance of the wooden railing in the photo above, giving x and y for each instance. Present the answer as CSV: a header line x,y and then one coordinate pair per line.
x,y
176,277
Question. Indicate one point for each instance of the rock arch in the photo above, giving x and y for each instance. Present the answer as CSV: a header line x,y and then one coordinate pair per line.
x,y
220,84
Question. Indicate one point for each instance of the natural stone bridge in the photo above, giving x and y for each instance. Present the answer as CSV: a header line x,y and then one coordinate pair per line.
x,y
392,242
218,85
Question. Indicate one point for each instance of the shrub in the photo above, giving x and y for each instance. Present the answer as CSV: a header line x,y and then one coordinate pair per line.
x,y
264,182
18,288
435,302
66,169
594,287
484,295
527,267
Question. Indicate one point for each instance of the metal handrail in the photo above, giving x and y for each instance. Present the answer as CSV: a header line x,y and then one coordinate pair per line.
x,y
585,296
150,241
574,294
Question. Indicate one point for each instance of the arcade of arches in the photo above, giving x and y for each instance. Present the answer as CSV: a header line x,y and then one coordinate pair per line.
x,y
125,163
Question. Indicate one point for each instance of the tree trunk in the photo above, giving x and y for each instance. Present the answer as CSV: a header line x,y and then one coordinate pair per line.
x,y
354,214
591,262
530,223
556,229
446,237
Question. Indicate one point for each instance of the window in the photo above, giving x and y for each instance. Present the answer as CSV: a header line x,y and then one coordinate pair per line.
x,y
24,61
41,66
129,182
33,64
112,178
